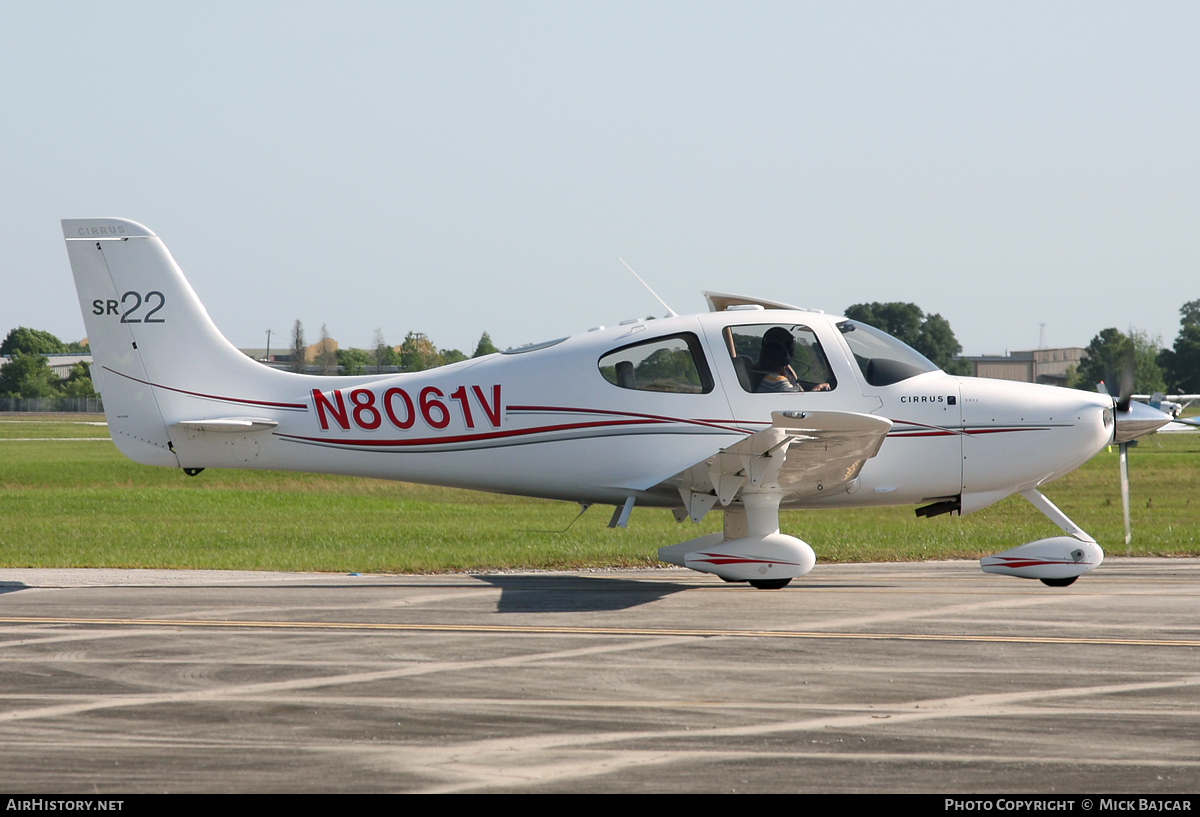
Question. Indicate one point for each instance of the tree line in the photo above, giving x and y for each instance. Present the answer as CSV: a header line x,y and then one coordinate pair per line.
x,y
28,372
930,335
1169,370
416,354
1174,370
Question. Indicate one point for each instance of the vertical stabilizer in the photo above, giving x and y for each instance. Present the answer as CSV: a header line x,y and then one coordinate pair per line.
x,y
158,358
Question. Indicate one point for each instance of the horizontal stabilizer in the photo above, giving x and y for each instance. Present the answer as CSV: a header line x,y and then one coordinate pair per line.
x,y
228,425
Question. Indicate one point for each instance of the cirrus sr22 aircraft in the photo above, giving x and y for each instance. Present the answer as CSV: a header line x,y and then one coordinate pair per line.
x,y
749,408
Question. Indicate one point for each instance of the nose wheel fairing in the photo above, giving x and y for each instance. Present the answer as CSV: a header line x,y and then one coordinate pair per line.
x,y
1057,560
1053,559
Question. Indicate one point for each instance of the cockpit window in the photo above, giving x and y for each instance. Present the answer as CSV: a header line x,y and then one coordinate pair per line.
x,y
672,364
778,358
883,359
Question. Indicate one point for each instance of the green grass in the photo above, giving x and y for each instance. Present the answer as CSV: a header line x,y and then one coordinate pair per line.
x,y
66,503
57,426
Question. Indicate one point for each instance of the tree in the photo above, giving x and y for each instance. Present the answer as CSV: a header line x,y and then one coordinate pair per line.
x,y
1148,375
353,361
930,335
299,360
384,355
901,321
1190,313
417,353
79,382
31,341
485,346
1074,380
667,369
327,353
1181,364
452,356
937,342
28,375
1107,357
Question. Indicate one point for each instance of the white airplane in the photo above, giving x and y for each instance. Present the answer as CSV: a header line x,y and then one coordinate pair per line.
x,y
752,407
1159,401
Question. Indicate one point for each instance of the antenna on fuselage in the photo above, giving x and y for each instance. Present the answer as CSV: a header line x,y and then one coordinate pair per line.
x,y
670,312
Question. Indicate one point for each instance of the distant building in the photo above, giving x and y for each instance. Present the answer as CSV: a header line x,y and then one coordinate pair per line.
x,y
1048,366
60,364
284,355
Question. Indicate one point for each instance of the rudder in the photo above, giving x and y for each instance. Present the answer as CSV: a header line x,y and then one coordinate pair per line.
x,y
148,331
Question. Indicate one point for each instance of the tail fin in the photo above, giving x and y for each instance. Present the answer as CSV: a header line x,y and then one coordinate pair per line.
x,y
146,329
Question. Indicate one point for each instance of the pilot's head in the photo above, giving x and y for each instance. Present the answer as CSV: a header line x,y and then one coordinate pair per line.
x,y
773,357
780,335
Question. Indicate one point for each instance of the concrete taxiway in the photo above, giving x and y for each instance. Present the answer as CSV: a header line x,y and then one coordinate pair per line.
x,y
858,678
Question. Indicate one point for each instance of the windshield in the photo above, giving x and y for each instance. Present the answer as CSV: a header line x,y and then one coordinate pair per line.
x,y
883,359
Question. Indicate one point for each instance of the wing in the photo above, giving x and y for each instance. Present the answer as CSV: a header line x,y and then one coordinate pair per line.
x,y
802,453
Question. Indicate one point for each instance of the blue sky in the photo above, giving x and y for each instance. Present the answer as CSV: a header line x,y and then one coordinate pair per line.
x,y
451,167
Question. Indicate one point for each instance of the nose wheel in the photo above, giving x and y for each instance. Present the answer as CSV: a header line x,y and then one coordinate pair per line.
x,y
1067,582
770,584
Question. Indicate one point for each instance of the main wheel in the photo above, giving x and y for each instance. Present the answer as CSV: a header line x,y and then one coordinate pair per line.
x,y
1060,582
770,584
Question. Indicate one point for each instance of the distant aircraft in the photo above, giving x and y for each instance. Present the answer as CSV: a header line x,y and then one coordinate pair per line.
x,y
752,407
1159,401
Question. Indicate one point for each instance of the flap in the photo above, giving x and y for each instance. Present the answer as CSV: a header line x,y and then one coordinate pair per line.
x,y
802,453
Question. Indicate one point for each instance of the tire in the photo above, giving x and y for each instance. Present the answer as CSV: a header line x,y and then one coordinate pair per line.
x,y
770,584
1060,582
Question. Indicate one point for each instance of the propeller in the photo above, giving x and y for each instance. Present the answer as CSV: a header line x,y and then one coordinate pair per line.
x,y
1131,420
1125,389
1124,398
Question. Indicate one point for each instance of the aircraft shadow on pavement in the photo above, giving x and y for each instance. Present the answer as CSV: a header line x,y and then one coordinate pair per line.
x,y
12,587
550,593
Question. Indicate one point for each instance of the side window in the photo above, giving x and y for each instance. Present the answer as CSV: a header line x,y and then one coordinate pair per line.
x,y
776,358
672,364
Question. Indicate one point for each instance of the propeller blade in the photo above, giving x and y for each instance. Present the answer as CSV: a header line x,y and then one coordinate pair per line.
x,y
1123,450
1125,389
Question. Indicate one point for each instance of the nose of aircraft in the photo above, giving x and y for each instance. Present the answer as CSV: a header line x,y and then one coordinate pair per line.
x,y
1090,425
1138,420
1024,434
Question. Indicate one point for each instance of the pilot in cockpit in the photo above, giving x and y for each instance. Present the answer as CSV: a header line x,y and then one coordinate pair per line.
x,y
775,364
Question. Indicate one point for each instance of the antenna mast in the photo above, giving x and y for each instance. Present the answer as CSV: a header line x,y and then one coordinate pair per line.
x,y
671,312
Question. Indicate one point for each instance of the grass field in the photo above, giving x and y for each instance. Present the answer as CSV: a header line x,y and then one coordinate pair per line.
x,y
71,502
